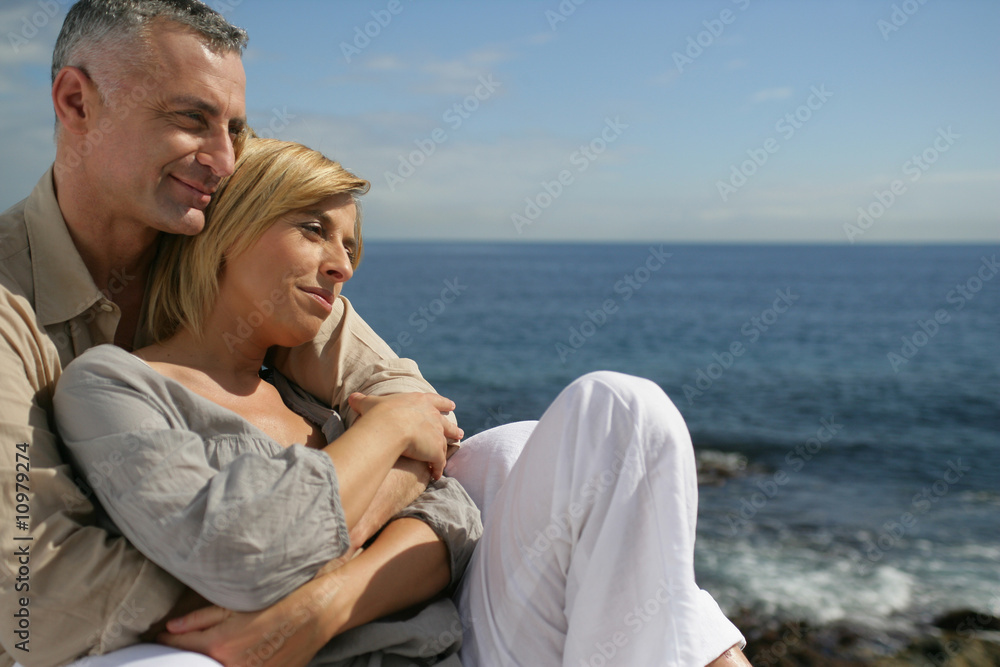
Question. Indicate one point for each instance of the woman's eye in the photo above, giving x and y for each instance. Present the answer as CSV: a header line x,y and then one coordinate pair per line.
x,y
315,228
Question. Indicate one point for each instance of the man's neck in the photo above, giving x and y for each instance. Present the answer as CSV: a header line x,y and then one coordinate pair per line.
x,y
111,248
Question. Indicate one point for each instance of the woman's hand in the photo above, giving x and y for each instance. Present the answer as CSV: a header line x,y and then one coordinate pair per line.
x,y
417,419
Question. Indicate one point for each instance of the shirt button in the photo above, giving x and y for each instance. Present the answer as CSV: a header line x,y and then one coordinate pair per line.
x,y
107,307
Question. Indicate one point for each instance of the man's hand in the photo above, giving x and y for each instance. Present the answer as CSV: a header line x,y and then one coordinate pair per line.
x,y
406,565
187,603
287,633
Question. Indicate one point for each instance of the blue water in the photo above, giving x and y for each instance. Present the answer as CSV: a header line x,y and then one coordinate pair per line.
x,y
889,513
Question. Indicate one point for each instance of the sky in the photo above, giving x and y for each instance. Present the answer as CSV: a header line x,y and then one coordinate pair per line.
x,y
835,121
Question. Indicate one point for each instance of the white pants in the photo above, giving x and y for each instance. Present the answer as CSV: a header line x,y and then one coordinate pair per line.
x,y
145,655
587,558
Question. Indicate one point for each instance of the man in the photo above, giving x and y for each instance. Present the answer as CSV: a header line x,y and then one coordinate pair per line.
x,y
148,96
149,104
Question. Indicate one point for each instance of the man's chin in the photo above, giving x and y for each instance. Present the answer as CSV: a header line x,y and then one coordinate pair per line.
x,y
190,223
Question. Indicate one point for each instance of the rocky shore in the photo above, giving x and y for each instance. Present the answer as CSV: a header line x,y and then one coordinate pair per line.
x,y
963,638
959,638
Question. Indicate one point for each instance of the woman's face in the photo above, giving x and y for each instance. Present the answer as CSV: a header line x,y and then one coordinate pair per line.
x,y
284,285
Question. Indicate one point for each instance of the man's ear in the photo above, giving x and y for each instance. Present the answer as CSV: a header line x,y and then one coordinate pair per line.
x,y
74,97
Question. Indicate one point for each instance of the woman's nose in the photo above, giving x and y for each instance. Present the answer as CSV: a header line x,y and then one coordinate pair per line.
x,y
337,264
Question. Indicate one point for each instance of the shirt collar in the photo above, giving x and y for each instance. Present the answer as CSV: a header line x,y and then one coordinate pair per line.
x,y
63,286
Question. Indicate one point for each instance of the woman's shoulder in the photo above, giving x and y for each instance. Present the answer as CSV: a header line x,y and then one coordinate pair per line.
x,y
105,363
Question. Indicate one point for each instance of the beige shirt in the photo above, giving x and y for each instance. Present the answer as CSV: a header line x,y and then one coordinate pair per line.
x,y
77,590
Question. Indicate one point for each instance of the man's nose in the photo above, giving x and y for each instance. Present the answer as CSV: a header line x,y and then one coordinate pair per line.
x,y
218,154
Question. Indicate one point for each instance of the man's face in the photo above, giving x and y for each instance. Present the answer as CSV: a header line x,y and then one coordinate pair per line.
x,y
166,137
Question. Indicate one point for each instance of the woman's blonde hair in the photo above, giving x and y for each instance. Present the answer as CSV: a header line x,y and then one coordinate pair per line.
x,y
272,178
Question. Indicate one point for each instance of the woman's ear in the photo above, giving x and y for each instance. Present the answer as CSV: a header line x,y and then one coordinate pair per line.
x,y
74,97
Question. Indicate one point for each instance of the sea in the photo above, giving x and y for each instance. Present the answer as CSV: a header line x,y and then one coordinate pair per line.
x,y
843,401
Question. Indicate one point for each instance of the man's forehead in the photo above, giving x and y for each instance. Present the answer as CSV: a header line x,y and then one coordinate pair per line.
x,y
192,74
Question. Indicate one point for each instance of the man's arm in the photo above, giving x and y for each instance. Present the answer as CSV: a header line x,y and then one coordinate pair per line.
x,y
346,356
84,591
404,484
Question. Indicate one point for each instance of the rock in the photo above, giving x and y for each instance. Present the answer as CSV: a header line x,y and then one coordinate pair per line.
x,y
715,467
949,650
967,621
775,642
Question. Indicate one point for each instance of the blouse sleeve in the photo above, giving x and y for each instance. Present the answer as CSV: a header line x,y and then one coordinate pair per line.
x,y
243,534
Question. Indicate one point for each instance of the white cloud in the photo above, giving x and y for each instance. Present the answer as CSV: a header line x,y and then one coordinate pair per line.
x,y
28,32
667,78
768,94
386,63
981,176
541,38
26,117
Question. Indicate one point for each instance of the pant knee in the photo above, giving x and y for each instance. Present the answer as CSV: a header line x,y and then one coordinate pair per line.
x,y
647,407
632,390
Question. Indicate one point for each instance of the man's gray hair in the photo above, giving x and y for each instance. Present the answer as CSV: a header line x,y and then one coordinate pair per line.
x,y
116,27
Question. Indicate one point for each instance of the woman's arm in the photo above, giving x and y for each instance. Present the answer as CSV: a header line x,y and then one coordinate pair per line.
x,y
409,425
403,567
243,534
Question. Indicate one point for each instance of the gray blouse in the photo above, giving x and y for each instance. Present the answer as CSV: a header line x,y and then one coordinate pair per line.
x,y
230,512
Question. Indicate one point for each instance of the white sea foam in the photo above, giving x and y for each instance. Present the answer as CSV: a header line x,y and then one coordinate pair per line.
x,y
801,583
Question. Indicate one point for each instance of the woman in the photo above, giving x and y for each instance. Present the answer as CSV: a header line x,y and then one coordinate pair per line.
x,y
192,454
587,555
